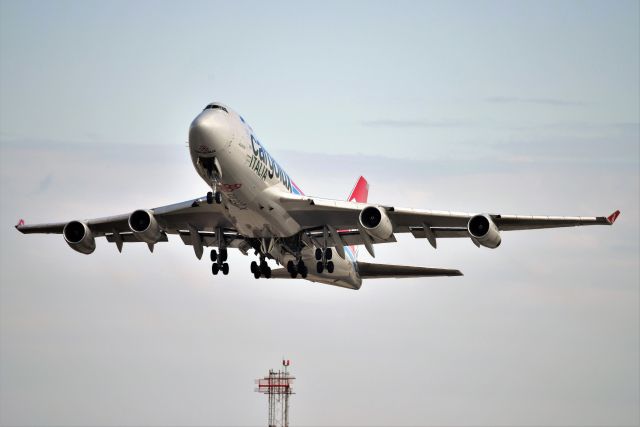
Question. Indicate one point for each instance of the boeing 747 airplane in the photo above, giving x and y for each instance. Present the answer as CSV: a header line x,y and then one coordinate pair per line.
x,y
255,206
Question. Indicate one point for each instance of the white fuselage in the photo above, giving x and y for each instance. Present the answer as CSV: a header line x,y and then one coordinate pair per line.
x,y
229,157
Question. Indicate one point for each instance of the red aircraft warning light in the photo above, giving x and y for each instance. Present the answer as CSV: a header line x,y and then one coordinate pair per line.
x,y
278,387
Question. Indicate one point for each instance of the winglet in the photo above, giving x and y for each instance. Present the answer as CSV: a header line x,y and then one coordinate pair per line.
x,y
20,223
612,218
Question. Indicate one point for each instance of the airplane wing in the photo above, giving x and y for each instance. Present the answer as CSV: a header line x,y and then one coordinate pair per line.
x,y
195,221
316,213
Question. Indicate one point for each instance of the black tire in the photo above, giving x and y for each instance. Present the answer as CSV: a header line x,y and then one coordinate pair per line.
x,y
264,267
304,273
209,197
291,268
254,267
218,197
214,255
223,254
301,266
294,274
318,254
256,274
319,267
328,253
330,267
267,273
215,268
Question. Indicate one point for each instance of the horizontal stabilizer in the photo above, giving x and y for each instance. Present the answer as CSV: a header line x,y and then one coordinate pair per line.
x,y
380,271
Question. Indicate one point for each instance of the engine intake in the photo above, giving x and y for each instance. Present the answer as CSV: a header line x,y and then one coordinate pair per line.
x,y
375,222
79,237
144,226
484,231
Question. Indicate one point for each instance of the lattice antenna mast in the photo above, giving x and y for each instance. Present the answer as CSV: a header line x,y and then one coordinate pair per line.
x,y
278,387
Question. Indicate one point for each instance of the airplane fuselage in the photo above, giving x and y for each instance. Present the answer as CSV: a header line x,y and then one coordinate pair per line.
x,y
230,158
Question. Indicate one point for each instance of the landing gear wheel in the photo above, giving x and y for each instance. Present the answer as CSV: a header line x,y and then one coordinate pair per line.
x,y
223,255
215,268
328,253
330,267
256,274
214,255
225,268
209,197
254,267
302,269
267,274
319,267
264,267
291,267
318,254
293,274
218,197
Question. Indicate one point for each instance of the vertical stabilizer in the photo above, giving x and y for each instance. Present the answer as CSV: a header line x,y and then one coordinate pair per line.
x,y
359,194
360,191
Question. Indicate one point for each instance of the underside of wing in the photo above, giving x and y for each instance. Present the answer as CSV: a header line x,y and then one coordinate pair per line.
x,y
483,229
197,222
382,271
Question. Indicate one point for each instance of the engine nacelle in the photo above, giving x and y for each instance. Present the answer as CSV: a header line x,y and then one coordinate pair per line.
x,y
144,226
484,231
79,237
375,221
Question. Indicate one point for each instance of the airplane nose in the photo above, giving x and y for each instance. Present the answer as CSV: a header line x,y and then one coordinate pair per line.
x,y
207,134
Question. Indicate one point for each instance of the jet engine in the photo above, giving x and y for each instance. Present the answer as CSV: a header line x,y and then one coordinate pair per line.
x,y
79,237
376,222
484,231
144,226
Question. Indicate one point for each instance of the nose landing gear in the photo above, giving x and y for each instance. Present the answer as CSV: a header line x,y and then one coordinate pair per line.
x,y
214,196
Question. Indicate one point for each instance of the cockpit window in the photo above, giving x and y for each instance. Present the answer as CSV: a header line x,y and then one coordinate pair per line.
x,y
215,107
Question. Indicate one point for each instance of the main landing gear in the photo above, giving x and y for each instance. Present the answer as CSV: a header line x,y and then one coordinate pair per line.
x,y
324,260
219,262
297,268
214,197
261,269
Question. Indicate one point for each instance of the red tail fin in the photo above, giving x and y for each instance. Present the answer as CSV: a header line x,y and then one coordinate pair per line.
x,y
360,192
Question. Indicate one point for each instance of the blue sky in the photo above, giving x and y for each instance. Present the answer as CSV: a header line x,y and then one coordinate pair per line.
x,y
511,107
